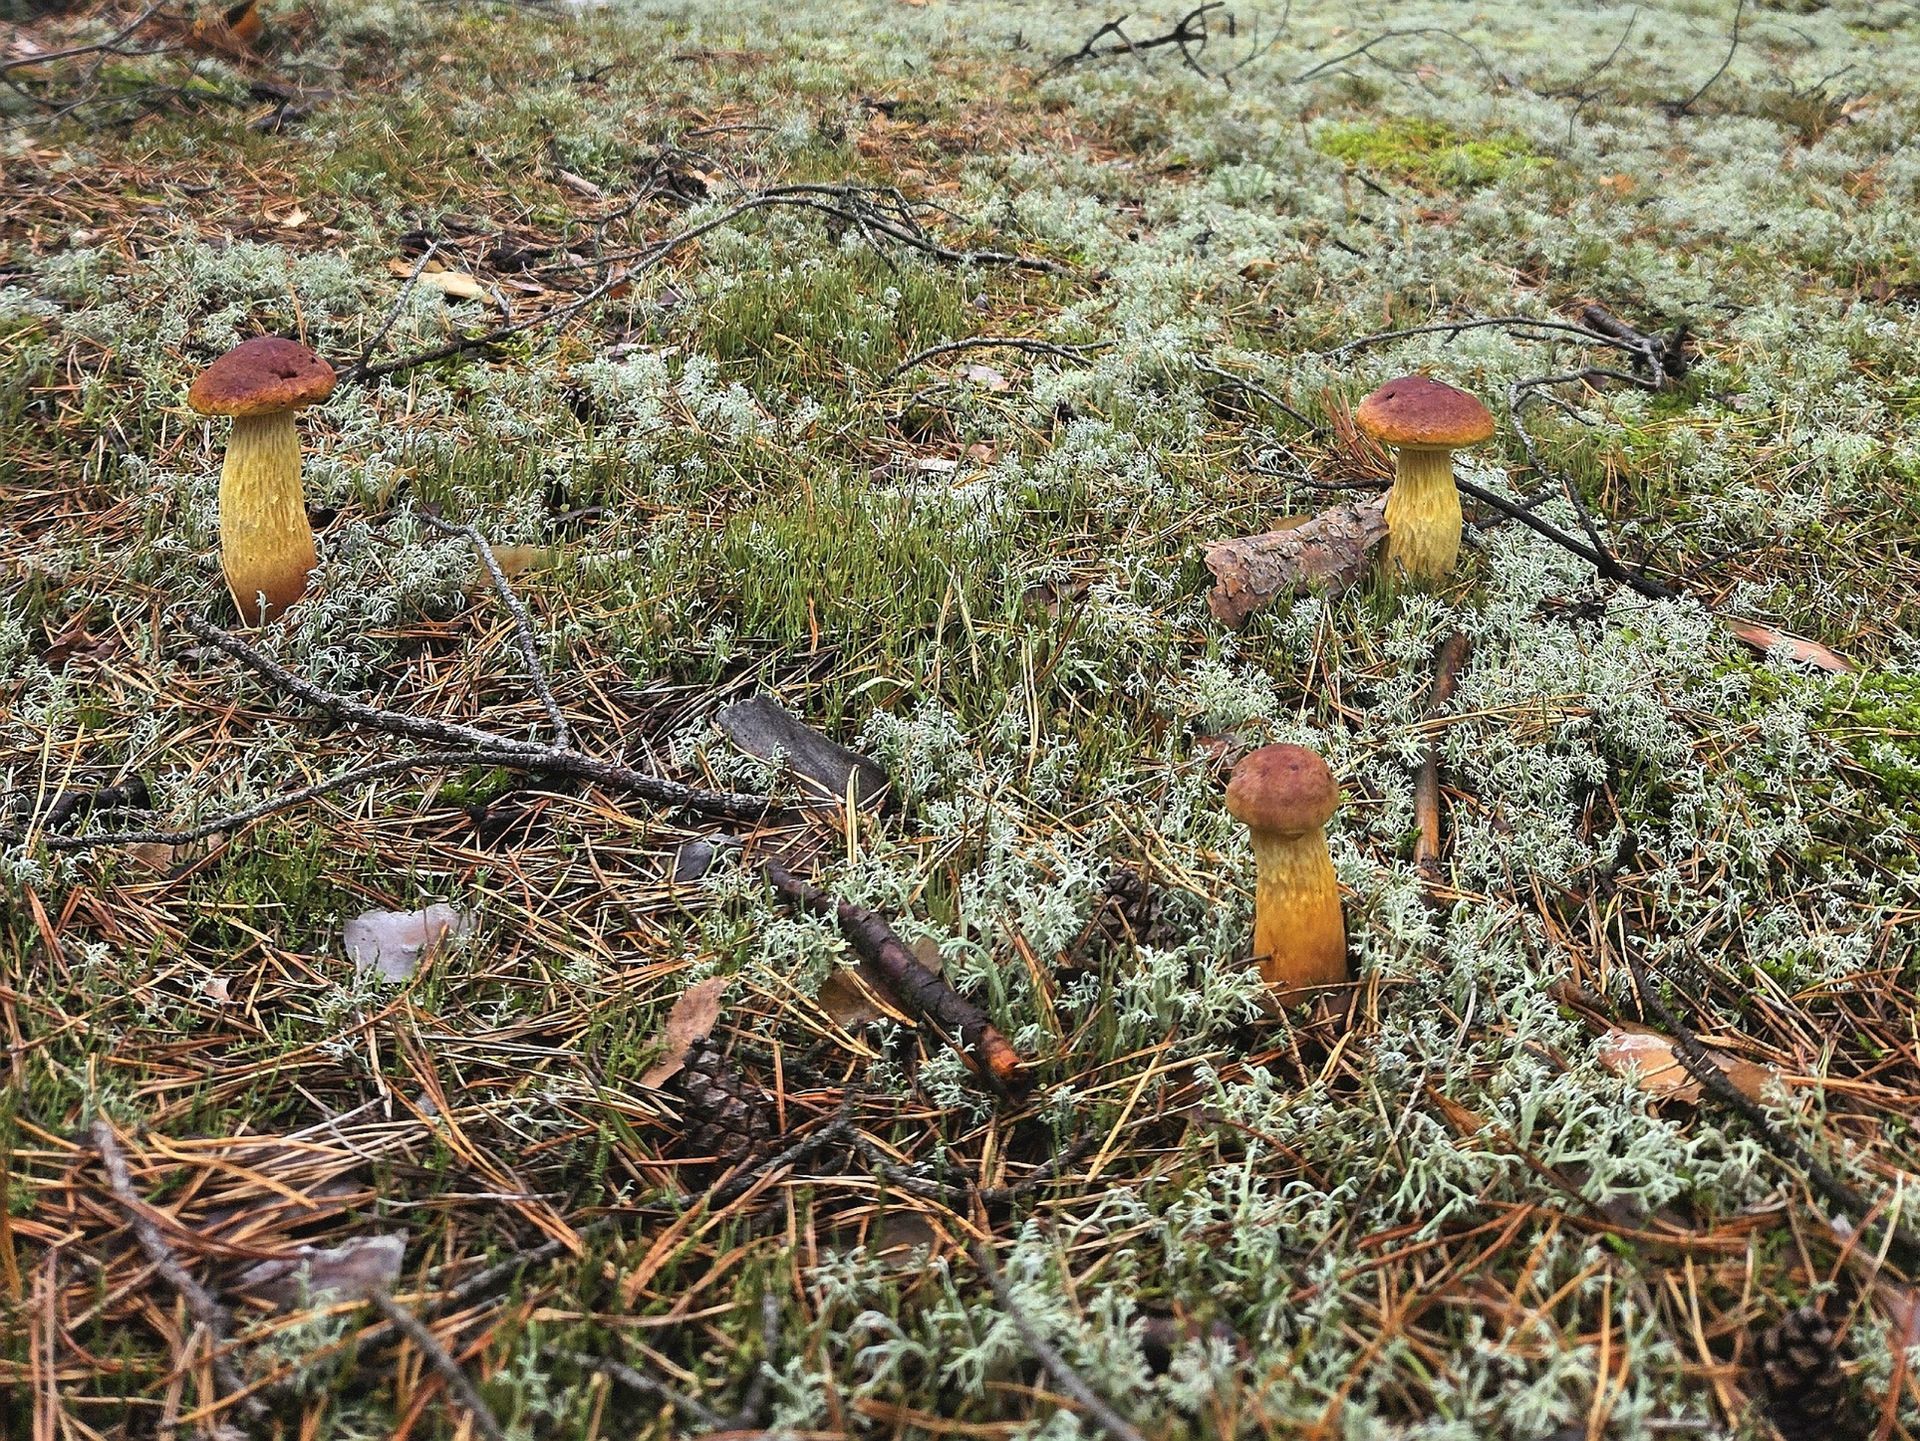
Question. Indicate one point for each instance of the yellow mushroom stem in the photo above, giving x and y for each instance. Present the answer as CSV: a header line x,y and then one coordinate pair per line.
x,y
1298,933
1423,514
266,545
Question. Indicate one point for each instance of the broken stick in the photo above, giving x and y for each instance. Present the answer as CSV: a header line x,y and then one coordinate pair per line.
x,y
987,1051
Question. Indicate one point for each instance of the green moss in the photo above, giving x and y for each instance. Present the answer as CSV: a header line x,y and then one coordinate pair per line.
x,y
1879,724
1428,150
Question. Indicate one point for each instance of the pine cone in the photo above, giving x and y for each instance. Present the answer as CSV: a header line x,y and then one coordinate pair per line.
x,y
1130,906
1800,1373
725,1117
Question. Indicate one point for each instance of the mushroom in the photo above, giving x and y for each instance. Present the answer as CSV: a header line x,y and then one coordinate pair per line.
x,y
1286,794
266,545
1425,422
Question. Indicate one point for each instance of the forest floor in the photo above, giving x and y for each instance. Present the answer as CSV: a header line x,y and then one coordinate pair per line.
x,y
644,294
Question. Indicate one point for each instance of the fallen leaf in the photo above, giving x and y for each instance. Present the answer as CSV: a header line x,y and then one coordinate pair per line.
x,y
454,283
391,943
349,1272
1764,639
214,988
1650,1061
857,995
513,559
1662,1074
987,376
1332,548
691,1021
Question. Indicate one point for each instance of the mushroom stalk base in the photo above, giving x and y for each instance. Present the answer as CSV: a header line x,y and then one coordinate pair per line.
x,y
1299,935
1423,515
266,545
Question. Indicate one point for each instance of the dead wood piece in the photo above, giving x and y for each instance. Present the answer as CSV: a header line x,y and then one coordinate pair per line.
x,y
1448,660
927,995
1665,356
762,727
207,1313
1333,550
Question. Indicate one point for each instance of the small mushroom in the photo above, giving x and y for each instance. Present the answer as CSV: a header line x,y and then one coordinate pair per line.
x,y
1286,795
1425,422
266,545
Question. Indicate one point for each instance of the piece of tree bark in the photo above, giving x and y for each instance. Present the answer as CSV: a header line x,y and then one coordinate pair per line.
x,y
1332,549
762,727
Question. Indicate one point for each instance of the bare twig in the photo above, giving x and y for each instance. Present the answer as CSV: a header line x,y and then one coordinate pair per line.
x,y
1602,559
1254,388
207,1313
1480,322
1366,48
1051,1361
875,212
736,1184
1003,342
1189,33
1713,1079
109,46
522,626
458,1385
360,367
1448,659
698,1412
930,996
232,820
1684,107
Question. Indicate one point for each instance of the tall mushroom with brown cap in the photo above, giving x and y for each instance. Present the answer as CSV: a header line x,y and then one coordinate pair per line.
x,y
266,545
1286,795
1425,422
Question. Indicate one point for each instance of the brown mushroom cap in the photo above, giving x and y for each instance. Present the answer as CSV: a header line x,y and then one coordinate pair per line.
x,y
1416,411
261,376
1282,788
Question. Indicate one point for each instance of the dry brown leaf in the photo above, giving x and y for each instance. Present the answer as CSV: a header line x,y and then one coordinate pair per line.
x,y
1650,1060
513,559
691,1021
1763,638
454,283
857,995
1663,1075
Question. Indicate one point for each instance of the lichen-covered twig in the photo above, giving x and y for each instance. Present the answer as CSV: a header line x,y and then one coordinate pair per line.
x,y
522,625
926,994
997,342
501,750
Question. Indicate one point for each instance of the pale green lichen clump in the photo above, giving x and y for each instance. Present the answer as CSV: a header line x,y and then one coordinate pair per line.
x,y
986,572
